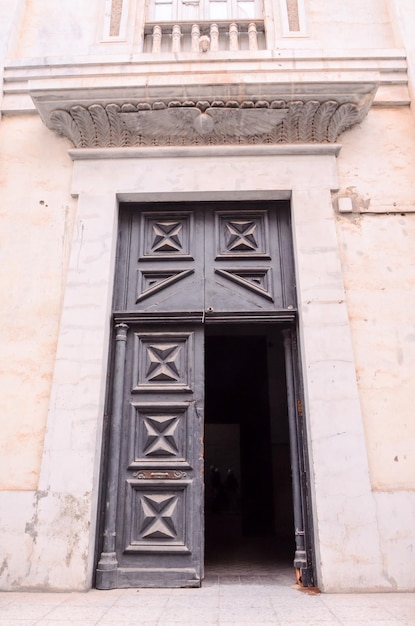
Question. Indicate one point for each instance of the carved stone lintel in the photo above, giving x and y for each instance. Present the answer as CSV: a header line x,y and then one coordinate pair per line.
x,y
167,123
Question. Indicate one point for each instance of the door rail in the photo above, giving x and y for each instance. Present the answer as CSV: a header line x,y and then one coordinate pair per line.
x,y
207,317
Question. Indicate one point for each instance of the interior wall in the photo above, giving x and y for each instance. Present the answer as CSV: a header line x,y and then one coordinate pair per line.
x,y
246,429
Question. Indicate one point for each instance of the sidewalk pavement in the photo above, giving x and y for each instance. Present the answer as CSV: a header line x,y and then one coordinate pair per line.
x,y
219,601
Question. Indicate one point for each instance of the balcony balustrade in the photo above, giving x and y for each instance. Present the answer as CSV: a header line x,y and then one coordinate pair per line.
x,y
205,37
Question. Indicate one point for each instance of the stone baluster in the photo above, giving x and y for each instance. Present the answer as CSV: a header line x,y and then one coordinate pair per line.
x,y
233,37
252,36
176,38
157,35
214,37
195,37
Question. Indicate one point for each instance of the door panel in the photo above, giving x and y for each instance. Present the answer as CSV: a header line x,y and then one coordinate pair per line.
x,y
206,259
243,267
162,261
159,527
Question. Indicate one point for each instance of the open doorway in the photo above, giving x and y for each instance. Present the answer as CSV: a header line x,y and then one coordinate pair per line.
x,y
248,488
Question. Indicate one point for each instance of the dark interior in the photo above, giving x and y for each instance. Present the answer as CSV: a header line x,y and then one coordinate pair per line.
x,y
249,512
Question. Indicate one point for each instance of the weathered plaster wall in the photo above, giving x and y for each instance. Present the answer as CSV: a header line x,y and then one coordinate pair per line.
x,y
376,245
379,269
76,26
351,24
403,19
52,30
11,15
376,168
36,215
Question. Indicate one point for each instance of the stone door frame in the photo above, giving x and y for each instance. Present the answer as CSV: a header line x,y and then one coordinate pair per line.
x,y
339,474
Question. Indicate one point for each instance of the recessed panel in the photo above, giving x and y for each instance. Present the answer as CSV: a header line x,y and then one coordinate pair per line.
x,y
162,362
258,280
158,435
241,234
156,517
152,282
166,235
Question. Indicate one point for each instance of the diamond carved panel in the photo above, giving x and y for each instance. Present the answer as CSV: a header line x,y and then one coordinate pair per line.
x,y
161,361
161,436
158,435
156,519
158,513
166,235
242,234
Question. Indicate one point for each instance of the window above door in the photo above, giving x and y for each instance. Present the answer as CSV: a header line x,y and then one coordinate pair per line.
x,y
204,10
204,26
177,25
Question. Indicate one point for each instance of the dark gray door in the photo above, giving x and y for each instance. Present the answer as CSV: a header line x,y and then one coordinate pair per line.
x,y
206,258
178,267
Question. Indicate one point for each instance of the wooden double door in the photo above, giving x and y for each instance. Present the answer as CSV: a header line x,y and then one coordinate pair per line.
x,y
179,268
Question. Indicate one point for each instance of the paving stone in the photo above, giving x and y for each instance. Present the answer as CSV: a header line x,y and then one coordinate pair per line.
x,y
218,604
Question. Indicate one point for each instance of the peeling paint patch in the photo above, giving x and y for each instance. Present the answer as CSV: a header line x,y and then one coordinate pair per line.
x,y
3,566
390,580
357,203
31,527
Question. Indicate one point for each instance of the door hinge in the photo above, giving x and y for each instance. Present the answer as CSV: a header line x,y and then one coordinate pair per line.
x,y
300,408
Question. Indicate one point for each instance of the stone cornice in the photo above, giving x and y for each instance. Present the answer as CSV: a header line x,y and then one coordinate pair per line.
x,y
233,102
203,122
103,79
203,113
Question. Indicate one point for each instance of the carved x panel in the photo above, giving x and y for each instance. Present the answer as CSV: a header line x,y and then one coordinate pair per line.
x,y
156,517
161,436
242,234
161,361
164,235
158,435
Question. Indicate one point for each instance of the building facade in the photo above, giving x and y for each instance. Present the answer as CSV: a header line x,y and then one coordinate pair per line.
x,y
231,178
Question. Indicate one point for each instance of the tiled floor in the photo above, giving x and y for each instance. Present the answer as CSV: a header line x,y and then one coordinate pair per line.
x,y
249,586
221,600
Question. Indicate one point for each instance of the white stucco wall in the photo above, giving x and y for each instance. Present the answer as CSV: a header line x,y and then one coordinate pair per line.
x,y
51,31
378,261
361,435
36,213
11,15
403,19
79,27
351,24
350,532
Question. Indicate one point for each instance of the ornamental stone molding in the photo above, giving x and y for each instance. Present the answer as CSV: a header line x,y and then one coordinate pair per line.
x,y
206,123
217,114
